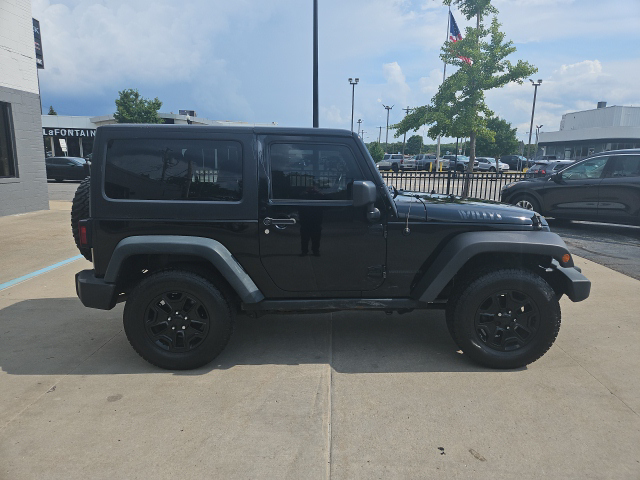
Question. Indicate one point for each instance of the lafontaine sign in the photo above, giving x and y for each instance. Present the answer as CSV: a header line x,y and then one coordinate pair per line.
x,y
69,132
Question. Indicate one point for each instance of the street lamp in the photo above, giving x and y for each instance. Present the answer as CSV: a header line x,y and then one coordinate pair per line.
x,y
359,122
535,91
353,92
386,141
316,122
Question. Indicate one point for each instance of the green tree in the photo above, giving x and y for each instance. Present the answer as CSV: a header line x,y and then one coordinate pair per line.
x,y
458,109
132,108
52,111
376,151
504,143
414,145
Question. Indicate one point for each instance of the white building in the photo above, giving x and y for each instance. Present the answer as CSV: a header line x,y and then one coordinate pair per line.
x,y
23,182
592,131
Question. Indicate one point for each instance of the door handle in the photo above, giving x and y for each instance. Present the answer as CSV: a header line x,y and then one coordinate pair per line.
x,y
279,221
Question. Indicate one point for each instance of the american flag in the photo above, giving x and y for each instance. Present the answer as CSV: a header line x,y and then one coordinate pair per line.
x,y
455,35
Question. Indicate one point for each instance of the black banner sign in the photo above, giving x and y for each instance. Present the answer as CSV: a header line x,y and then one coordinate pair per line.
x,y
38,43
69,132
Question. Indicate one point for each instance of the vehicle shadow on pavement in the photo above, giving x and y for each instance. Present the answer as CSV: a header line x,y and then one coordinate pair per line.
x,y
58,336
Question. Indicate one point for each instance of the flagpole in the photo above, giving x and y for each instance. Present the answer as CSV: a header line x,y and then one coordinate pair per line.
x,y
444,75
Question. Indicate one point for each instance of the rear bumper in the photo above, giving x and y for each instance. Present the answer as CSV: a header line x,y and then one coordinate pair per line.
x,y
573,283
94,292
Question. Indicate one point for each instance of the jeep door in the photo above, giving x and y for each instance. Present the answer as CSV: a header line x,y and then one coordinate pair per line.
x,y
312,238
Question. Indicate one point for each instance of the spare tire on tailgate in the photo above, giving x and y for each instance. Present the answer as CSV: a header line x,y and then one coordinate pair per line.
x,y
80,211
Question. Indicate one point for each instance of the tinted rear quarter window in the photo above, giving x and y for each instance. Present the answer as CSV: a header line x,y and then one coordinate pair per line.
x,y
173,169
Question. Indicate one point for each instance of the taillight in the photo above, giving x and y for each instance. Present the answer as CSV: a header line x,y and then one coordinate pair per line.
x,y
543,172
82,230
402,161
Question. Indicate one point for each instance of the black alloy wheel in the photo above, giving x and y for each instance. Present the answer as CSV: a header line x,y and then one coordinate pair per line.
x,y
507,320
177,320
504,318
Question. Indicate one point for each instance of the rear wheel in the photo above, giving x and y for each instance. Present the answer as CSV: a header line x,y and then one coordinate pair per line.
x,y
492,169
177,320
505,318
80,211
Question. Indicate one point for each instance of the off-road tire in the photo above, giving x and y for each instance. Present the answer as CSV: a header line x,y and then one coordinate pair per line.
x,y
158,335
80,211
524,199
523,337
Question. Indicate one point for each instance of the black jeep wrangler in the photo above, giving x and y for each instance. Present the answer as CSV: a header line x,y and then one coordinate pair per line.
x,y
193,225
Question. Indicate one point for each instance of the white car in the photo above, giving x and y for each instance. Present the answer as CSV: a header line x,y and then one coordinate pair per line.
x,y
488,164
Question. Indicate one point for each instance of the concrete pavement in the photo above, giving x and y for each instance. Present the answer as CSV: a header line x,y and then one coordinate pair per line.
x,y
347,395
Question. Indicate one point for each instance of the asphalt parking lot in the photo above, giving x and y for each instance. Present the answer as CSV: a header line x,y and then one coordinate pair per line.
x,y
341,395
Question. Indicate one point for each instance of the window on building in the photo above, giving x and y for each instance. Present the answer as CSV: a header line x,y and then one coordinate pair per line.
x,y
7,152
312,172
157,169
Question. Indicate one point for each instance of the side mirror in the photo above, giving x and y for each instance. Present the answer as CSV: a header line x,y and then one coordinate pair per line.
x,y
365,194
557,177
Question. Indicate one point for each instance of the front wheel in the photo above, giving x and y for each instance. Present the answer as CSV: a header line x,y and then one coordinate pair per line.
x,y
177,320
505,318
527,202
492,169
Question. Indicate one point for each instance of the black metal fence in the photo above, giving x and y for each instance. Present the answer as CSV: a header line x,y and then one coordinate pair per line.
x,y
481,185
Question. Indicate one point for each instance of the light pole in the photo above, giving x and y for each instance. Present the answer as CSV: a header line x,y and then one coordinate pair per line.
x,y
353,92
380,134
535,91
359,122
316,122
404,140
362,135
386,140
538,127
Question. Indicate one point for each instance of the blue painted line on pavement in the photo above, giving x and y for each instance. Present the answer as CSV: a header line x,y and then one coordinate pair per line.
x,y
15,281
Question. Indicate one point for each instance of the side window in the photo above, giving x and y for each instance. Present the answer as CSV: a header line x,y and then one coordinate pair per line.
x,y
168,169
626,166
590,169
312,171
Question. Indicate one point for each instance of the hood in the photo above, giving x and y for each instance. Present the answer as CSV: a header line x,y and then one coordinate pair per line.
x,y
451,209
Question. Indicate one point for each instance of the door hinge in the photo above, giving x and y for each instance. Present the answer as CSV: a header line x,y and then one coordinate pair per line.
x,y
377,271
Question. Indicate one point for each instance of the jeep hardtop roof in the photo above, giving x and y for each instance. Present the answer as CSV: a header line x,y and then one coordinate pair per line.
x,y
232,129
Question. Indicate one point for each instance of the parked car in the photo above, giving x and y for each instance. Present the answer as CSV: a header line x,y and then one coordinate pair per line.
x,y
408,163
603,188
516,162
460,163
67,168
488,164
391,161
183,228
547,168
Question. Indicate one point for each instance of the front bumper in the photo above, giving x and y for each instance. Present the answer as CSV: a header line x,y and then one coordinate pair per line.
x,y
94,292
571,281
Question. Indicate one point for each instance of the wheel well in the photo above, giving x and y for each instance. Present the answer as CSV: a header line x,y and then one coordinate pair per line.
x,y
138,267
482,263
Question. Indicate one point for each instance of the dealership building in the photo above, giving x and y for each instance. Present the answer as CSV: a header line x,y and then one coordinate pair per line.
x,y
23,180
592,131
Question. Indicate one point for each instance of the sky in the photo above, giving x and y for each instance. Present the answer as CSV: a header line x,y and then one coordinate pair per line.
x,y
251,60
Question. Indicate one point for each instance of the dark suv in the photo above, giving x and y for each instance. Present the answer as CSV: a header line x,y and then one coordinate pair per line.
x,y
193,225
602,188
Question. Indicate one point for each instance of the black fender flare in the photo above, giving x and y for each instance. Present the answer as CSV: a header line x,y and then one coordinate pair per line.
x,y
465,246
206,248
